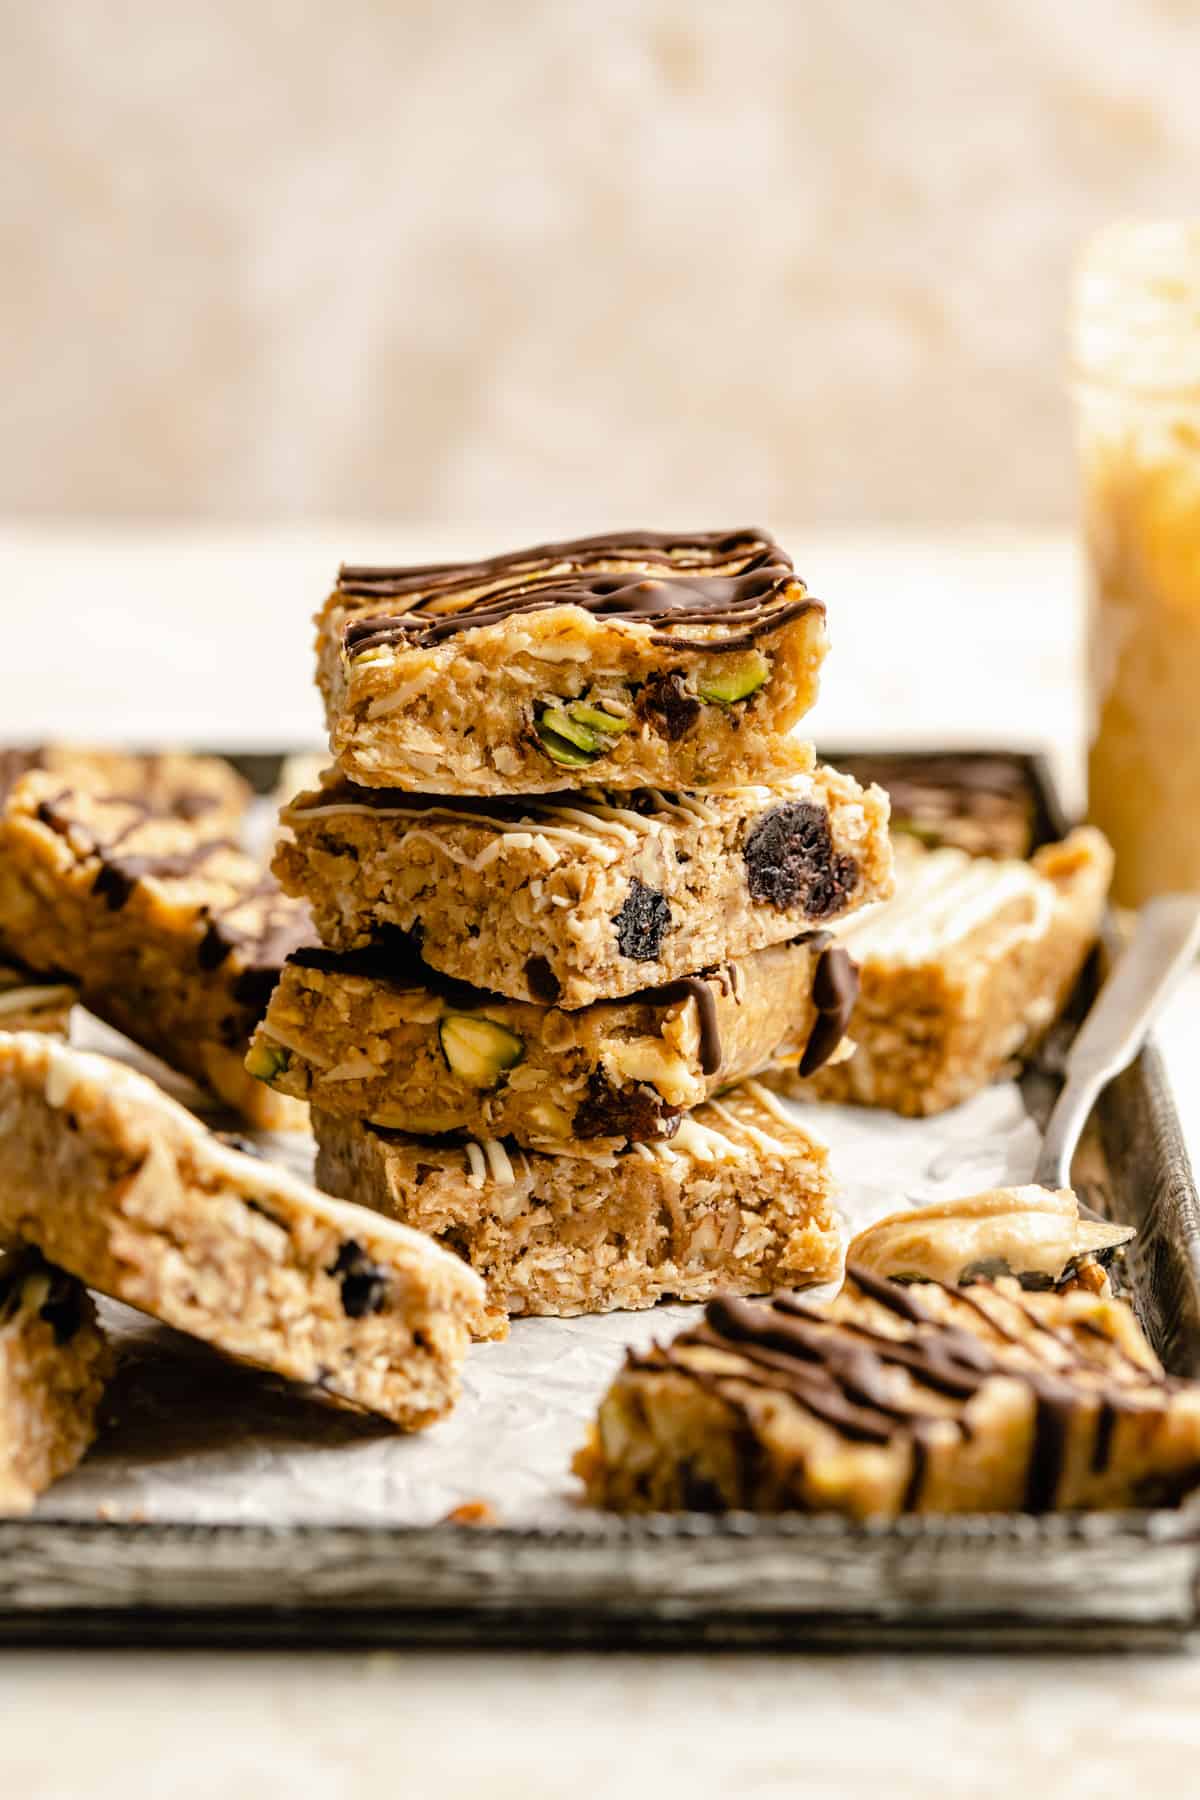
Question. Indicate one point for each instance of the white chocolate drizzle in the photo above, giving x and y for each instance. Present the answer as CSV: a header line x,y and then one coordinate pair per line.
x,y
597,827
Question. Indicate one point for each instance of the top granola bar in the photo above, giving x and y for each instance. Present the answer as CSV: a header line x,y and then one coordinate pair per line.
x,y
635,659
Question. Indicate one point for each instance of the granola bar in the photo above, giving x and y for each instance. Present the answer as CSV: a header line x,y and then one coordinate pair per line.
x,y
630,660
33,1002
171,782
978,803
118,1184
174,934
588,896
54,1362
898,1398
962,972
739,1199
369,1036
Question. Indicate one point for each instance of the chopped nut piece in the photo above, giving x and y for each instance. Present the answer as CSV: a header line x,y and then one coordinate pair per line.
x,y
724,686
478,1049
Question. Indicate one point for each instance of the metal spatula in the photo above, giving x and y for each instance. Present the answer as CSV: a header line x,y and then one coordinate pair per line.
x,y
1164,943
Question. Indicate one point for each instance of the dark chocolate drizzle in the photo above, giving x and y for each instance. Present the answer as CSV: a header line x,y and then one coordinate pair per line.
x,y
156,796
118,876
399,963
669,585
834,993
701,989
838,1371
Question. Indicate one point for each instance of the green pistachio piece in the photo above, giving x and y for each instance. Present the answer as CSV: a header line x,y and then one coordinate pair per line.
x,y
264,1061
477,1049
735,681
591,716
564,726
559,750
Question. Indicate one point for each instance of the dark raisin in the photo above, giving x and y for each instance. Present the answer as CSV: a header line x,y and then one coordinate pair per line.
x,y
253,988
113,885
790,860
642,923
665,703
544,984
635,1112
214,946
457,1239
62,1308
364,1283
700,1493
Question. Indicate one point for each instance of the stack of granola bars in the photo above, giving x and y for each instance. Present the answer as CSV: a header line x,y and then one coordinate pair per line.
x,y
571,875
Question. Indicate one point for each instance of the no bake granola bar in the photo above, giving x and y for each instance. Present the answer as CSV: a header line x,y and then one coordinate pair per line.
x,y
631,660
54,1362
589,896
898,1398
962,972
369,1036
739,1199
118,1184
978,803
174,783
174,934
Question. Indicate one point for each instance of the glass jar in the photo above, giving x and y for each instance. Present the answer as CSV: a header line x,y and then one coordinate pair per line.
x,y
1136,368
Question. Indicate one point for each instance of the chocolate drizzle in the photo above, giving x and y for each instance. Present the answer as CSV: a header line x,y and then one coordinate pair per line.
x,y
834,993
670,582
398,962
701,989
118,876
841,1371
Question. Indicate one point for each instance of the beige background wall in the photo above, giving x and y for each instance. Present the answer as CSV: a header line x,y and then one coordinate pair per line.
x,y
577,260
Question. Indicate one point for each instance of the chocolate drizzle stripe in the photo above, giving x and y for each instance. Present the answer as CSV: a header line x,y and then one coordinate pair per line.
x,y
838,1370
685,551
700,989
758,596
834,993
261,948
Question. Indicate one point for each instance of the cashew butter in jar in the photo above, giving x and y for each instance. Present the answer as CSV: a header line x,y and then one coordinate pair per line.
x,y
1136,370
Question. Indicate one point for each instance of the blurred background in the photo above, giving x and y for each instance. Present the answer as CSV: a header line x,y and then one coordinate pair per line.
x,y
573,260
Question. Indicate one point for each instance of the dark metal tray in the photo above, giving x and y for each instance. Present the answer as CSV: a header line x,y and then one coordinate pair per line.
x,y
1088,1581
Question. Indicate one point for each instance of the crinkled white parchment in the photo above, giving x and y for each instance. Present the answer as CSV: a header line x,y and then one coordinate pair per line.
x,y
193,1438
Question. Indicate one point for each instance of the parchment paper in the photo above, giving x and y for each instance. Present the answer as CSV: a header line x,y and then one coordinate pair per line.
x,y
193,1438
